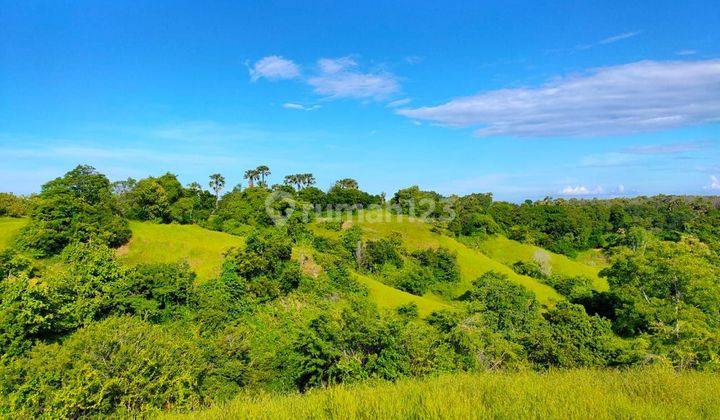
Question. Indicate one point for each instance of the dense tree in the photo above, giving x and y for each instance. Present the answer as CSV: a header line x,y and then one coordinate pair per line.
x,y
671,292
149,201
264,267
12,205
79,206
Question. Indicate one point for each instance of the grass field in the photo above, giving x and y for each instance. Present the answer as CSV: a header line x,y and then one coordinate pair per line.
x,y
509,252
154,243
8,228
473,263
573,394
388,297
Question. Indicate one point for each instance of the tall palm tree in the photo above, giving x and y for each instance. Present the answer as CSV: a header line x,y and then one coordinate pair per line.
x,y
347,183
308,180
217,183
263,171
292,180
251,175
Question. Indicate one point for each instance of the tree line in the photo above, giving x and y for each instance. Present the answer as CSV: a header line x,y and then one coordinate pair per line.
x,y
83,335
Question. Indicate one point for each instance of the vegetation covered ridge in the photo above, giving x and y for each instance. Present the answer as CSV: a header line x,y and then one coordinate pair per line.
x,y
136,297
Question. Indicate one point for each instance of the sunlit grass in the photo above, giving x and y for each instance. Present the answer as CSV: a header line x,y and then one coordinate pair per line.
x,y
9,227
574,394
417,234
388,297
202,249
509,252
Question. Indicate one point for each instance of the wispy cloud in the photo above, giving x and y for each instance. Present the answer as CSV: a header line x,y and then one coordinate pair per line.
x,y
588,45
686,52
618,37
636,97
399,102
336,65
300,107
334,78
338,78
274,67
666,149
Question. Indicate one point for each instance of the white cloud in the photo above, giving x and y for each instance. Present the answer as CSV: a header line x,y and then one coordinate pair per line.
x,y
335,65
274,67
399,102
338,79
581,190
714,183
300,107
636,97
621,188
619,37
686,52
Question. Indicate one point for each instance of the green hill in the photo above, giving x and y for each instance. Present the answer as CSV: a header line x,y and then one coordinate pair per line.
x,y
8,228
418,235
202,249
509,252
388,297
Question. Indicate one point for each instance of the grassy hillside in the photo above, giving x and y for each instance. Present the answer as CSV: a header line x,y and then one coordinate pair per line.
x,y
509,252
388,297
473,263
597,394
8,228
203,249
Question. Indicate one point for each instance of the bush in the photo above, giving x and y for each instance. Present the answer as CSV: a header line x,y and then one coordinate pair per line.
x,y
119,365
77,207
155,291
12,205
529,268
264,269
383,251
441,262
332,224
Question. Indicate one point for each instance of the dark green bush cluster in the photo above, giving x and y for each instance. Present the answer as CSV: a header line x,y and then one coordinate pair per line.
x,y
163,199
432,269
78,207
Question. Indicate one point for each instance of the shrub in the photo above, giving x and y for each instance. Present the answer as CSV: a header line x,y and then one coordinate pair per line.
x,y
529,268
77,207
118,365
442,263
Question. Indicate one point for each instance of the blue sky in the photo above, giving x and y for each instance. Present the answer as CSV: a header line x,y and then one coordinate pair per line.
x,y
517,98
